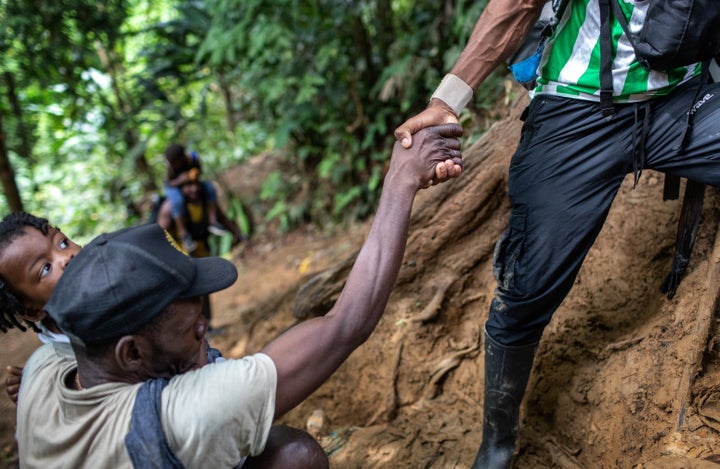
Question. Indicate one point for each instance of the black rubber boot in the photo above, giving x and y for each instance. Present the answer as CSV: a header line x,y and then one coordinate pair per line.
x,y
507,370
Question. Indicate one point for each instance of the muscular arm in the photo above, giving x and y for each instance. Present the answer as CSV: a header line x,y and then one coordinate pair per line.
x,y
498,33
306,355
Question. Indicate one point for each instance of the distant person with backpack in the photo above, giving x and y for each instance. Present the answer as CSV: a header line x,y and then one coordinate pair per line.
x,y
195,217
180,163
602,107
195,212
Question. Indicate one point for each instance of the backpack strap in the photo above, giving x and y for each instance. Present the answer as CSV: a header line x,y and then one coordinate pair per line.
x,y
671,190
690,215
145,442
606,79
671,187
618,13
213,354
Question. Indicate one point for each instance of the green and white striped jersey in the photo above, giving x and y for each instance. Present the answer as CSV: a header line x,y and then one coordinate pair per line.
x,y
570,65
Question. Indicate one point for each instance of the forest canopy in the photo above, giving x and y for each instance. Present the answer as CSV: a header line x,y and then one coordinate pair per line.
x,y
92,91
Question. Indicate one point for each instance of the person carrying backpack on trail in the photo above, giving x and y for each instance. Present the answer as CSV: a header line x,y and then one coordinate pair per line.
x,y
598,112
195,216
196,210
181,163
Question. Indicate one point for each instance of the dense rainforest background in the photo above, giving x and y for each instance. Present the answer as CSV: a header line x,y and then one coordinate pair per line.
x,y
92,91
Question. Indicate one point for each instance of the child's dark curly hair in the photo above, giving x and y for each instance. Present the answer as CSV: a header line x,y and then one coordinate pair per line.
x,y
11,308
175,152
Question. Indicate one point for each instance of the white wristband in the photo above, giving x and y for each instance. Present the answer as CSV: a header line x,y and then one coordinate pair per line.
x,y
454,92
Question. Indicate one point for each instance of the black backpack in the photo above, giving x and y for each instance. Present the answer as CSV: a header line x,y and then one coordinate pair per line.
x,y
675,33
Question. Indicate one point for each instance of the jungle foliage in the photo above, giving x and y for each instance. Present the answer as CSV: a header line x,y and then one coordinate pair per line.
x,y
92,91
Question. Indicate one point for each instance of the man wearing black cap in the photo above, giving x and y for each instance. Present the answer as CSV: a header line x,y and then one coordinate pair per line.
x,y
138,395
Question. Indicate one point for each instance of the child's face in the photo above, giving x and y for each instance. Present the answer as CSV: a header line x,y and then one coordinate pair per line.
x,y
33,263
191,191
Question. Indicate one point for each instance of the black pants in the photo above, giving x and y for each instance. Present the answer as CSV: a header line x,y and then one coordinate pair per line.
x,y
564,175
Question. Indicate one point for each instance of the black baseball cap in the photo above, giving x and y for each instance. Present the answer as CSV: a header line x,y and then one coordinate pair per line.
x,y
120,281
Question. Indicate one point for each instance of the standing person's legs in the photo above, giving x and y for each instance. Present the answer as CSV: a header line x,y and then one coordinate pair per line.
x,y
563,178
175,196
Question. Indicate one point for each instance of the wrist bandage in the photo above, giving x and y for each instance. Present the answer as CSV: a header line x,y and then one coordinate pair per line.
x,y
454,92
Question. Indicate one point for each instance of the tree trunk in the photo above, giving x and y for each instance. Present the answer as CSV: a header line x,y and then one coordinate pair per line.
x,y
228,101
7,175
25,150
124,108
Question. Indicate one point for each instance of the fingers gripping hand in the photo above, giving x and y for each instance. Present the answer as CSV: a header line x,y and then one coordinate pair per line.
x,y
447,169
448,164
12,382
436,156
438,113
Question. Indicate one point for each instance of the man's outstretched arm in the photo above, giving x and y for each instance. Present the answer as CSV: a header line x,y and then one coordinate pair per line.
x,y
498,33
306,355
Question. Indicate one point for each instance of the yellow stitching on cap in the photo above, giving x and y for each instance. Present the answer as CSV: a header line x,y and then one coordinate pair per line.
x,y
174,243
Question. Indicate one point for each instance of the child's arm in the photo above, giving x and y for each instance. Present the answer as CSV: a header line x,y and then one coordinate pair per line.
x,y
178,181
12,382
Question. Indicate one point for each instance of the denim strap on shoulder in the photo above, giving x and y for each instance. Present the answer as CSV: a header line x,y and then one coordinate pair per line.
x,y
213,354
146,443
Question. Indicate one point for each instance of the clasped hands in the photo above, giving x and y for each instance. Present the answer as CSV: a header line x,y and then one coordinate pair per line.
x,y
437,113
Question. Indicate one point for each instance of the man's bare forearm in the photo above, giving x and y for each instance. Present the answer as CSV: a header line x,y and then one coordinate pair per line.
x,y
327,341
376,269
498,33
307,354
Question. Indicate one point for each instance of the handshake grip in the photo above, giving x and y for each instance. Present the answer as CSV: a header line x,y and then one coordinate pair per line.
x,y
439,148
